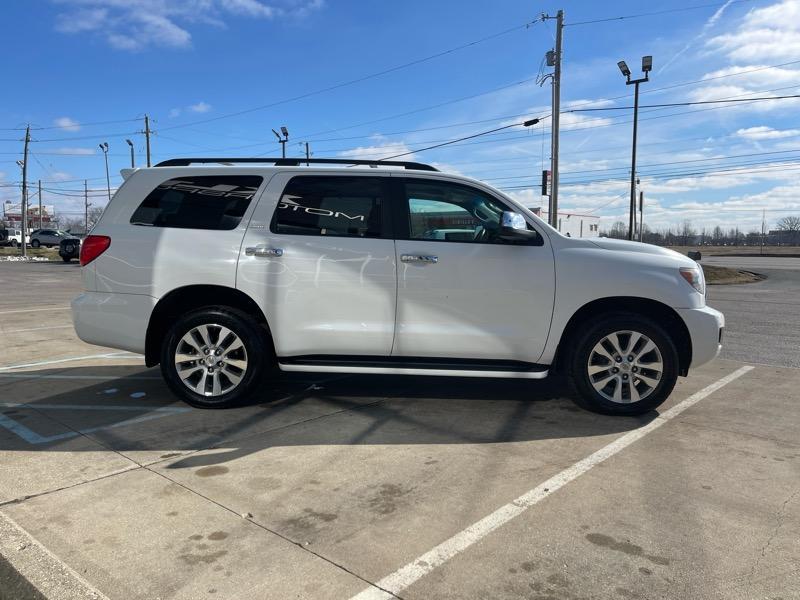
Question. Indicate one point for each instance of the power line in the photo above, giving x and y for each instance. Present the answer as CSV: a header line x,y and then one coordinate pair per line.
x,y
359,79
693,103
76,124
655,13
468,137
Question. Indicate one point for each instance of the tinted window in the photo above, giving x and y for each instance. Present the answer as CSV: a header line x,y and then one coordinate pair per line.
x,y
454,213
198,202
335,206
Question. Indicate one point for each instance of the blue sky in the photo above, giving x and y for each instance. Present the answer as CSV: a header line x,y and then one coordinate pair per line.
x,y
191,63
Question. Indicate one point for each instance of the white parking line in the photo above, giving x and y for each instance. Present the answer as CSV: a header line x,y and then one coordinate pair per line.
x,y
74,358
39,328
45,571
394,584
26,310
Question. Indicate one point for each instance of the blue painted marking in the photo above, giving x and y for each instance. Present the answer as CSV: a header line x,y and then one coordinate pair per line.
x,y
34,438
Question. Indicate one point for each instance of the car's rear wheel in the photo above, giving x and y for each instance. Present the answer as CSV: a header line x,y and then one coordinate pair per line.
x,y
215,357
36,243
624,364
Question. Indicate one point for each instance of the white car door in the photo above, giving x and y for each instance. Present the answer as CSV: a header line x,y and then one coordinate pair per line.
x,y
319,260
462,292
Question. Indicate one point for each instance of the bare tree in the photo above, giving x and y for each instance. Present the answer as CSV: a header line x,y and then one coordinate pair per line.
x,y
618,230
687,232
789,228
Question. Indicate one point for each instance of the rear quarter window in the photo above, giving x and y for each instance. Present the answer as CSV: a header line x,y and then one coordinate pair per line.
x,y
198,202
338,206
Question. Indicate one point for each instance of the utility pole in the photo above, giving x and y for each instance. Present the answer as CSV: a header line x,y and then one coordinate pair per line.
x,y
554,60
647,66
147,137
85,207
763,228
308,154
641,214
25,190
40,204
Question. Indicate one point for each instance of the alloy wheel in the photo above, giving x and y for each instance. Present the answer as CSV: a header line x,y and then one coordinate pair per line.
x,y
625,367
211,360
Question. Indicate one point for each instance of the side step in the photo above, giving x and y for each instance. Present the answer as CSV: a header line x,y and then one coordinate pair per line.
x,y
412,365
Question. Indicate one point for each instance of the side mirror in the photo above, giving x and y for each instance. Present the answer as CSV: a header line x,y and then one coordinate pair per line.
x,y
513,227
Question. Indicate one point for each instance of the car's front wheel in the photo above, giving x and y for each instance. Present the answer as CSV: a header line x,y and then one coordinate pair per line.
x,y
36,243
14,244
624,364
215,357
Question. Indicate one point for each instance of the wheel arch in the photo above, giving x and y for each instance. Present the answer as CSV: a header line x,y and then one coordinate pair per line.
x,y
193,297
663,314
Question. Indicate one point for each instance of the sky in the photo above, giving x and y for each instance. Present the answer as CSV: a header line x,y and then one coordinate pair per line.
x,y
376,79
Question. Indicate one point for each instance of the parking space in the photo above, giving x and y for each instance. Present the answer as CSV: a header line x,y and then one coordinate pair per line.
x,y
335,487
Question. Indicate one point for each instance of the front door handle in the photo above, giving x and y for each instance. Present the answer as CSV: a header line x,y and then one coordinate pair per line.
x,y
263,251
423,258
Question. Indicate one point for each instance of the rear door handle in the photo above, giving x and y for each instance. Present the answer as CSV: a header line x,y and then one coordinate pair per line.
x,y
423,258
263,251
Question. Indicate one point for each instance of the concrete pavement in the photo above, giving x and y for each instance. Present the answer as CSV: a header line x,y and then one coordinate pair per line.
x,y
330,486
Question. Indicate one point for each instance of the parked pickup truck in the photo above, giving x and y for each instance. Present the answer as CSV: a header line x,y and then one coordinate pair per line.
x,y
224,270
12,237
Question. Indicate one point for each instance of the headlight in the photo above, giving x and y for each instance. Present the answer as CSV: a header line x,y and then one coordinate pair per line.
x,y
694,277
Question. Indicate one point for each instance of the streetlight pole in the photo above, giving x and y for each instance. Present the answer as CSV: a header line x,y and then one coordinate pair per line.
x,y
133,162
647,66
104,148
282,140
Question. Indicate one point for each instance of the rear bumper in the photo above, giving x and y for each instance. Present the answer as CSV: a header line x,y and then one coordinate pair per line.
x,y
705,327
113,320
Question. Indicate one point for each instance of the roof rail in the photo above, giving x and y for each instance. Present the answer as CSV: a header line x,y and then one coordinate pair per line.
x,y
296,162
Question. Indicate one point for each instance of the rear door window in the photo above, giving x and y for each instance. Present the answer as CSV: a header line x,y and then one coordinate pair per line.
x,y
331,206
198,202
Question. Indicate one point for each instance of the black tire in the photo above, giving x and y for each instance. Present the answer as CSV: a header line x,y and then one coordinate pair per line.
x,y
14,244
256,345
36,243
592,334
66,259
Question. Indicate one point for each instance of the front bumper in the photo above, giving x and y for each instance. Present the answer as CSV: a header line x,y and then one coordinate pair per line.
x,y
705,327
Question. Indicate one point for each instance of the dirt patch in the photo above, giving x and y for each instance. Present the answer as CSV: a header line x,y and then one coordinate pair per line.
x,y
724,275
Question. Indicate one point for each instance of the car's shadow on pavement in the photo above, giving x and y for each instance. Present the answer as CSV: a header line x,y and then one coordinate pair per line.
x,y
129,409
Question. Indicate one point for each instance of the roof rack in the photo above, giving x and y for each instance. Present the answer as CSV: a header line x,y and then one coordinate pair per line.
x,y
296,162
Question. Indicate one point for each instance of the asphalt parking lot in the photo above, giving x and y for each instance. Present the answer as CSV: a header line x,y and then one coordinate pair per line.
x,y
343,487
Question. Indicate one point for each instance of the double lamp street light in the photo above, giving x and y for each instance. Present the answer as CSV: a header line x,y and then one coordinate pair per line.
x,y
647,66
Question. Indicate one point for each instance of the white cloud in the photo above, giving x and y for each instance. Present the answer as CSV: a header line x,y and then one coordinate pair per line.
x,y
72,151
763,132
249,8
134,25
67,124
174,112
707,26
768,33
60,176
200,107
382,149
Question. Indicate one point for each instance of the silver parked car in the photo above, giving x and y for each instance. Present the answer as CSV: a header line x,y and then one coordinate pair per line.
x,y
48,237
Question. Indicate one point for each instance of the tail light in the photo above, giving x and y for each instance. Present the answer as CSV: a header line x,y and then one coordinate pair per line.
x,y
92,247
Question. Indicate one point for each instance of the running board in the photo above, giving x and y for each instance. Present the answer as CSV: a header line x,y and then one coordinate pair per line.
x,y
414,366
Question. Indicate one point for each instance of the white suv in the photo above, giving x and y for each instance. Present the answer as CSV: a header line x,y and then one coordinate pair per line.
x,y
222,269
